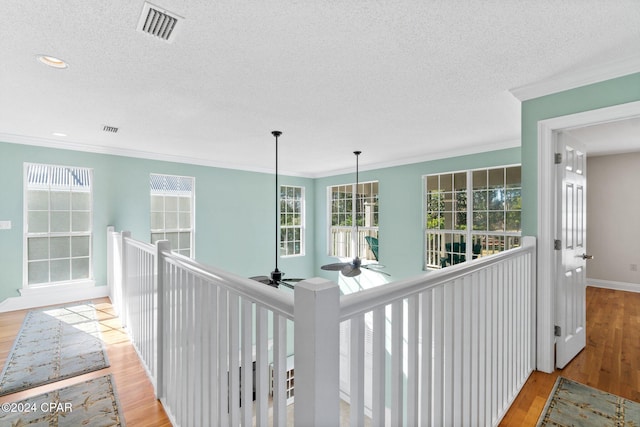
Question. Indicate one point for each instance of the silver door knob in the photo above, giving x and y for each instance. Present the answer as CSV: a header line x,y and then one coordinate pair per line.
x,y
585,256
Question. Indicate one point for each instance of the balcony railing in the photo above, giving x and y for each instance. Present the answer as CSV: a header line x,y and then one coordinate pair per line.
x,y
451,347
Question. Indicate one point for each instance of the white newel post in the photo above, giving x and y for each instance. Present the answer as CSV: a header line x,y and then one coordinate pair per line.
x,y
317,353
125,286
161,247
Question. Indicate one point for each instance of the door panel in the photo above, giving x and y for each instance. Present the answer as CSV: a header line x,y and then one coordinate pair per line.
x,y
570,310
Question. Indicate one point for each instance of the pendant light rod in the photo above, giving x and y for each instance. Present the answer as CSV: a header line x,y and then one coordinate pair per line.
x,y
277,133
357,237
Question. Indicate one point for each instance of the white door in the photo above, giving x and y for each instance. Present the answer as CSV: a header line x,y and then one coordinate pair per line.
x,y
570,309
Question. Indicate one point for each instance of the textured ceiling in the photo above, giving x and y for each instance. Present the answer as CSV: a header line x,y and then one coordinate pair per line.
x,y
400,80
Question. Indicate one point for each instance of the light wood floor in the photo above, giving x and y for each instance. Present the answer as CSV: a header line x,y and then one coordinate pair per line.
x,y
135,391
610,361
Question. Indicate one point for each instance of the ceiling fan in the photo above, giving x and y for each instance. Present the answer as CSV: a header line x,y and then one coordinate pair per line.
x,y
275,279
353,268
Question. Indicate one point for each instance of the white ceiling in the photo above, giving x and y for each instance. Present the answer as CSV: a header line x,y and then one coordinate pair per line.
x,y
403,81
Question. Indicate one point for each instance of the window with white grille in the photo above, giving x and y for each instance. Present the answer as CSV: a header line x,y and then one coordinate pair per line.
x,y
172,211
350,206
291,220
471,214
58,224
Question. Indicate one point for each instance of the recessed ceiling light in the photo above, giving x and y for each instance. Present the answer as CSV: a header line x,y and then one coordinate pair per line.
x,y
59,134
52,61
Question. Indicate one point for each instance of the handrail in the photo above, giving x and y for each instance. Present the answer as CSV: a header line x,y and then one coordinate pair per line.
x,y
277,301
364,301
147,247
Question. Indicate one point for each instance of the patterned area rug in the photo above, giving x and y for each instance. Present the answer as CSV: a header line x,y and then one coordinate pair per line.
x,y
54,344
574,404
90,403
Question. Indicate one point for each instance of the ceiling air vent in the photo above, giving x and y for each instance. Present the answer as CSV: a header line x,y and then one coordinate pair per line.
x,y
111,129
159,22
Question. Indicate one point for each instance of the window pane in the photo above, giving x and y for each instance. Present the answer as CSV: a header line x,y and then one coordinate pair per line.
x,y
60,247
38,222
80,246
37,200
513,199
185,204
513,221
496,221
496,199
38,272
185,240
480,220
446,182
514,177
479,179
157,220
80,268
81,221
60,270
171,204
496,178
38,248
81,201
184,220
171,220
480,200
157,203
60,222
460,181
60,201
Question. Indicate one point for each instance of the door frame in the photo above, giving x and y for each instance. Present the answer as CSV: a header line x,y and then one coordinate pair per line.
x,y
547,213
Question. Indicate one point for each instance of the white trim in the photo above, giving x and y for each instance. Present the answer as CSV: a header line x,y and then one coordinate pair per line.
x,y
618,286
546,216
52,295
127,152
447,154
578,78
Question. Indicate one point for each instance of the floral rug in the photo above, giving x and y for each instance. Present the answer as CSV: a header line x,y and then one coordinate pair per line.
x,y
574,404
90,403
54,344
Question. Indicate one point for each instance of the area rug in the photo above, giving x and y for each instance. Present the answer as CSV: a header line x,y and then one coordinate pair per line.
x,y
52,345
90,403
574,404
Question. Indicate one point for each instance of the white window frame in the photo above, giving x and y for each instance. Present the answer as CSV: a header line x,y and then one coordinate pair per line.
x,y
467,249
300,227
346,245
57,178
165,185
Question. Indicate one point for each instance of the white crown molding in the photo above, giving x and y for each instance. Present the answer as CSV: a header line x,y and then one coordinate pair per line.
x,y
75,146
476,149
577,78
126,152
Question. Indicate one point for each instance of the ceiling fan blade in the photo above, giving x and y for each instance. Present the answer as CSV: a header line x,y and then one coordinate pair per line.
x,y
262,279
335,266
288,285
350,271
294,280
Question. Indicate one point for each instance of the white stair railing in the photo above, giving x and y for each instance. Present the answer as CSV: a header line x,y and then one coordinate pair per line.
x,y
458,343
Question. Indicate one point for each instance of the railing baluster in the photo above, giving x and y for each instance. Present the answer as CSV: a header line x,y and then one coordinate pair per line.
x,y
397,361
378,380
356,371
279,371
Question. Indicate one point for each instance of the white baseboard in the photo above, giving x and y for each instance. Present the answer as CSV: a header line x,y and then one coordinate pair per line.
x,y
618,286
52,296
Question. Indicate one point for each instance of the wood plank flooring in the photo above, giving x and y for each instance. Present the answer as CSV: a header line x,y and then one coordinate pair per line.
x,y
138,402
610,361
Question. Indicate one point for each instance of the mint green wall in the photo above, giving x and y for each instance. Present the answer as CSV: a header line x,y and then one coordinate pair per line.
x,y
599,95
401,198
234,211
